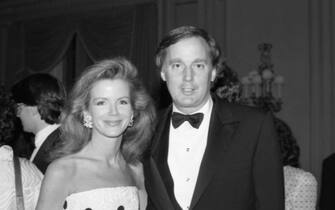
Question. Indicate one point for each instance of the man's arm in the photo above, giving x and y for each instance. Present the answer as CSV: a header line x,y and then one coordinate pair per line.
x,y
268,169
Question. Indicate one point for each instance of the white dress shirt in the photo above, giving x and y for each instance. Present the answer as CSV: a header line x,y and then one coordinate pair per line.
x,y
41,136
31,181
186,149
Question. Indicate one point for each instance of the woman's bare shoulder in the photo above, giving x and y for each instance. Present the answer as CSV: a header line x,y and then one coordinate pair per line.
x,y
137,168
62,167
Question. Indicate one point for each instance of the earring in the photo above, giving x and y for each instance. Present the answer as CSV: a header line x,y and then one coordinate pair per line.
x,y
131,121
88,121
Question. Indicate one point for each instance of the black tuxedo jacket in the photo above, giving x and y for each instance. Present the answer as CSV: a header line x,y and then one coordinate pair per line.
x,y
41,159
240,170
327,192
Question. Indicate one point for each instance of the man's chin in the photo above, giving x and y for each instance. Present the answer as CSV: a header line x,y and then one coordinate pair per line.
x,y
186,105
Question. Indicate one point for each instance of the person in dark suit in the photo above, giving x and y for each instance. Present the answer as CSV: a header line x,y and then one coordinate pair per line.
x,y
39,99
327,192
205,153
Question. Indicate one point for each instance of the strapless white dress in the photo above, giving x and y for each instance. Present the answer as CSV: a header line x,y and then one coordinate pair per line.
x,y
113,198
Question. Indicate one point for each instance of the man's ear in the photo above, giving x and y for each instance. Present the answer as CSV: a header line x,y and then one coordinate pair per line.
x,y
34,110
213,75
35,113
163,75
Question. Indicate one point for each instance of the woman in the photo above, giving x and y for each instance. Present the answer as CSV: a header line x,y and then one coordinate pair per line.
x,y
300,185
106,126
30,175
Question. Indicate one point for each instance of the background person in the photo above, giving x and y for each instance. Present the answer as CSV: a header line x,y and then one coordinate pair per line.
x,y
300,185
106,126
31,177
40,98
327,190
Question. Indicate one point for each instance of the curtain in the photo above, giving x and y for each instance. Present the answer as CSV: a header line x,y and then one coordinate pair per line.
x,y
322,86
38,45
144,44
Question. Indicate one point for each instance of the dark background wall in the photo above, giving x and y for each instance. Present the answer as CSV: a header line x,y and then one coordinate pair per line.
x,y
301,32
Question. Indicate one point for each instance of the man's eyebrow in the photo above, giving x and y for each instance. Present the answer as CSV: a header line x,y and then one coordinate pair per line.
x,y
201,60
124,97
174,60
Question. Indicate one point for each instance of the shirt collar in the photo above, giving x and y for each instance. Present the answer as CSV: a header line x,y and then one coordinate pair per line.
x,y
41,135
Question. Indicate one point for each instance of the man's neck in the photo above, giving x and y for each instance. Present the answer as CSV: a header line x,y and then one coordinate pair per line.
x,y
40,126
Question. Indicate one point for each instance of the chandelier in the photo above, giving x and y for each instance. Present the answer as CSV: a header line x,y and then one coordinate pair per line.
x,y
263,87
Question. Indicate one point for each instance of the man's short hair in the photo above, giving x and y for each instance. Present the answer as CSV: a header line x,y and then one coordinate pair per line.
x,y
184,32
44,91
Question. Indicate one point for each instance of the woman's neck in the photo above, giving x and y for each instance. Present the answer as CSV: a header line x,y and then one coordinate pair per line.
x,y
106,149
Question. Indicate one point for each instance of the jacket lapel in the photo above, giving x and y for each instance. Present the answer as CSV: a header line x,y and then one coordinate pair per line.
x,y
161,183
221,129
41,158
156,187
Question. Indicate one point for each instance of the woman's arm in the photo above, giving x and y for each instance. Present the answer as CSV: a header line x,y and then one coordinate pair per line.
x,y
305,195
55,186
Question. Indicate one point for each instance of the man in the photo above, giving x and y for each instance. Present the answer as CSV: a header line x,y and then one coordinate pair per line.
x,y
327,192
223,156
39,99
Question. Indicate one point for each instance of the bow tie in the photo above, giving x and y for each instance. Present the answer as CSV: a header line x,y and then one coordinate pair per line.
x,y
194,119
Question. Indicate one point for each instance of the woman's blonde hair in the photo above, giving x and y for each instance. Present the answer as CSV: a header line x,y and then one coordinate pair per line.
x,y
135,139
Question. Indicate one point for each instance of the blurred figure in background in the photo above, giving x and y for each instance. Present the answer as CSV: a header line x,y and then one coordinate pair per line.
x,y
31,177
300,185
23,144
327,192
227,85
39,99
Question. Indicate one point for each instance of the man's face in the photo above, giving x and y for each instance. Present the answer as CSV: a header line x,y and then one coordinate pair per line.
x,y
26,115
188,72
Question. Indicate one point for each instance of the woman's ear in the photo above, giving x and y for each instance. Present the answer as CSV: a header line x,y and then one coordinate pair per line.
x,y
87,119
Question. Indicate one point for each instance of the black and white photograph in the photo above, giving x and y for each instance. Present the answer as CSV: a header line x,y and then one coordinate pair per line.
x,y
167,105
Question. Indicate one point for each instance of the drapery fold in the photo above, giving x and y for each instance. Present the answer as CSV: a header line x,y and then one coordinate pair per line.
x,y
46,41
144,46
129,30
103,34
107,35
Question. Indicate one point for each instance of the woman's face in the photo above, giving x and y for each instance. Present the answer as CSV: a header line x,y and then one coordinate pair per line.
x,y
110,108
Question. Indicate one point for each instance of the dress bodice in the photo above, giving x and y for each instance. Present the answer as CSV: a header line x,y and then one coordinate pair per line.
x,y
118,198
